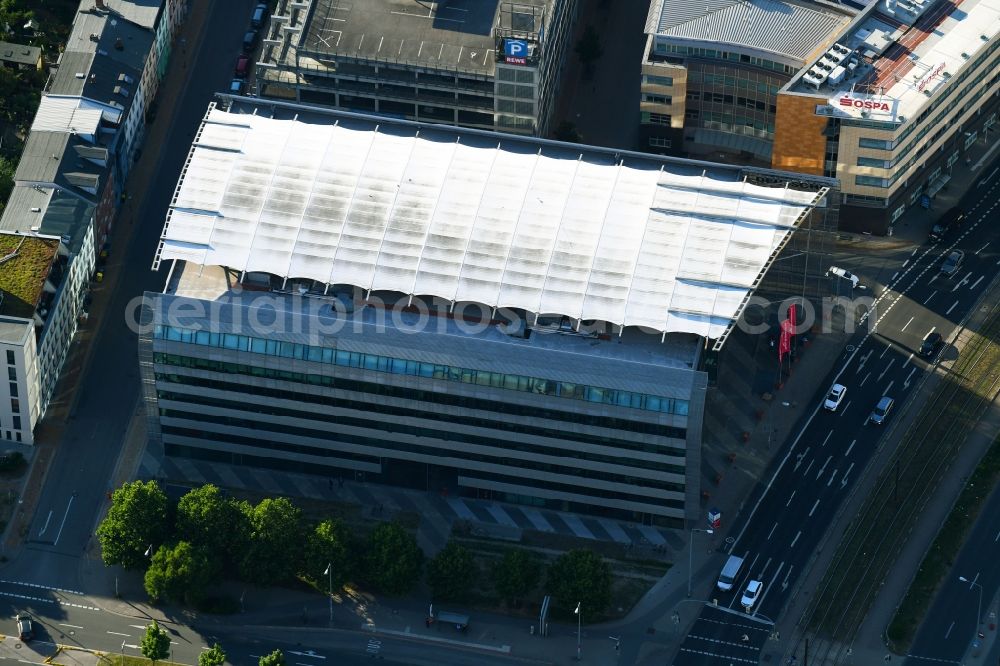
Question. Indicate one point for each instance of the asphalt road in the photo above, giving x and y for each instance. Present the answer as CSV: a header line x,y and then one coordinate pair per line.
x,y
788,514
952,624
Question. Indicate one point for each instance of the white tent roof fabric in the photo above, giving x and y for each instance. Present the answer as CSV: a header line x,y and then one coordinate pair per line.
x,y
503,221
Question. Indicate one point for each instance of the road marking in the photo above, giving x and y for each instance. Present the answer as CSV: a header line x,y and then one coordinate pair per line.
x,y
767,588
813,509
982,248
764,569
976,283
853,442
906,262
886,369
953,306
788,574
48,601
962,281
894,275
71,626
69,505
832,477
908,361
843,481
725,657
934,292
845,408
907,324
46,526
997,538
772,531
864,359
889,387
864,380
40,587
823,468
801,457
906,382
973,582
933,328
793,495
118,633
138,626
308,653
808,467
885,351
950,627
797,535
828,436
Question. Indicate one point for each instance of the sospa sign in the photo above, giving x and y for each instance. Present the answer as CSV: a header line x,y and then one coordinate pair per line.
x,y
883,108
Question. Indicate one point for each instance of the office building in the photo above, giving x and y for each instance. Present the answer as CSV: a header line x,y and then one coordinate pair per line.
x,y
454,310
489,65
908,87
711,72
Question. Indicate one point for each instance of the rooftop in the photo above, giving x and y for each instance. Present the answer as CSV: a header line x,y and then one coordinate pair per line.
x,y
25,262
453,35
140,12
889,65
345,320
20,54
49,212
784,28
470,216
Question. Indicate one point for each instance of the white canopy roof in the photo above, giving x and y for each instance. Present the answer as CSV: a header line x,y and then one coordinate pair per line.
x,y
503,221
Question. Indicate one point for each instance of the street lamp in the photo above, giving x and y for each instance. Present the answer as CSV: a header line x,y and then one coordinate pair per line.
x,y
329,573
691,554
979,612
579,616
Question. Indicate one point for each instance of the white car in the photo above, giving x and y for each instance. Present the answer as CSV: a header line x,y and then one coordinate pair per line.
x,y
751,594
835,397
844,275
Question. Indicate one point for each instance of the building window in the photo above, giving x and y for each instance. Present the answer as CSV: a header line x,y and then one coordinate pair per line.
x,y
873,162
657,99
18,436
898,213
15,405
13,389
17,423
659,142
871,181
878,144
656,118
10,357
12,374
658,80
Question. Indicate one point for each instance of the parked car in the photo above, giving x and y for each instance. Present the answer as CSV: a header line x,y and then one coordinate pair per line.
x,y
242,65
952,263
259,13
835,397
931,344
249,40
951,219
844,275
25,628
881,411
751,594
236,86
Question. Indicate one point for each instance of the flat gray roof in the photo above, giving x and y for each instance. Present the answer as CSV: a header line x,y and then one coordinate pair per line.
x,y
21,54
454,35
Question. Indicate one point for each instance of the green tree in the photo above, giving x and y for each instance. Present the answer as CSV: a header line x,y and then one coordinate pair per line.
x,y
179,574
155,643
213,656
393,559
328,545
136,520
580,576
589,49
516,575
7,169
214,524
452,572
275,545
276,658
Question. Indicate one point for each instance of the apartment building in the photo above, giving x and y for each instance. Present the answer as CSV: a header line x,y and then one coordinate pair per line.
x,y
908,87
489,65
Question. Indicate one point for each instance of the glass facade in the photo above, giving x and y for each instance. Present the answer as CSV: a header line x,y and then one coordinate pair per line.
x,y
398,366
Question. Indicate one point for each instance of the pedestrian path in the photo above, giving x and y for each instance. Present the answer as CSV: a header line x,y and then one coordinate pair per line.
x,y
438,512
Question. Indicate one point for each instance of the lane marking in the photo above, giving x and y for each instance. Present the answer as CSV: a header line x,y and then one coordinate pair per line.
x,y
907,324
801,457
725,657
40,587
864,380
976,283
906,262
793,495
950,627
828,436
813,509
933,328
846,407
808,467
843,481
908,360
118,633
772,531
71,626
997,538
934,292
853,442
894,275
889,387
823,468
953,306
887,368
797,535
982,248
46,525
832,477
63,523
885,351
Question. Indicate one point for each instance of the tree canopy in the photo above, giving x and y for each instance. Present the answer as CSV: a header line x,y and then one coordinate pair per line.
x,y
452,572
214,524
214,656
589,48
393,560
177,573
276,542
155,643
580,576
328,544
276,658
516,574
136,520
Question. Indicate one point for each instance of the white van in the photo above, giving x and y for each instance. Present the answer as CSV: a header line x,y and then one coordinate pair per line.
x,y
729,573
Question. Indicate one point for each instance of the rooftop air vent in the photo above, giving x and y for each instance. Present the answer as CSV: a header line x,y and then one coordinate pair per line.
x,y
94,37
81,75
119,44
36,209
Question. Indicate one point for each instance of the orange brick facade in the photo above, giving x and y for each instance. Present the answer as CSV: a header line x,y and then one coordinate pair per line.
x,y
799,144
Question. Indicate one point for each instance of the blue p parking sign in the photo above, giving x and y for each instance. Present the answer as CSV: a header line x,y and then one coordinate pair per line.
x,y
515,51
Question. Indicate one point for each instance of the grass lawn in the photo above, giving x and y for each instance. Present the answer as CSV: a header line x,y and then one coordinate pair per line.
x,y
128,660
